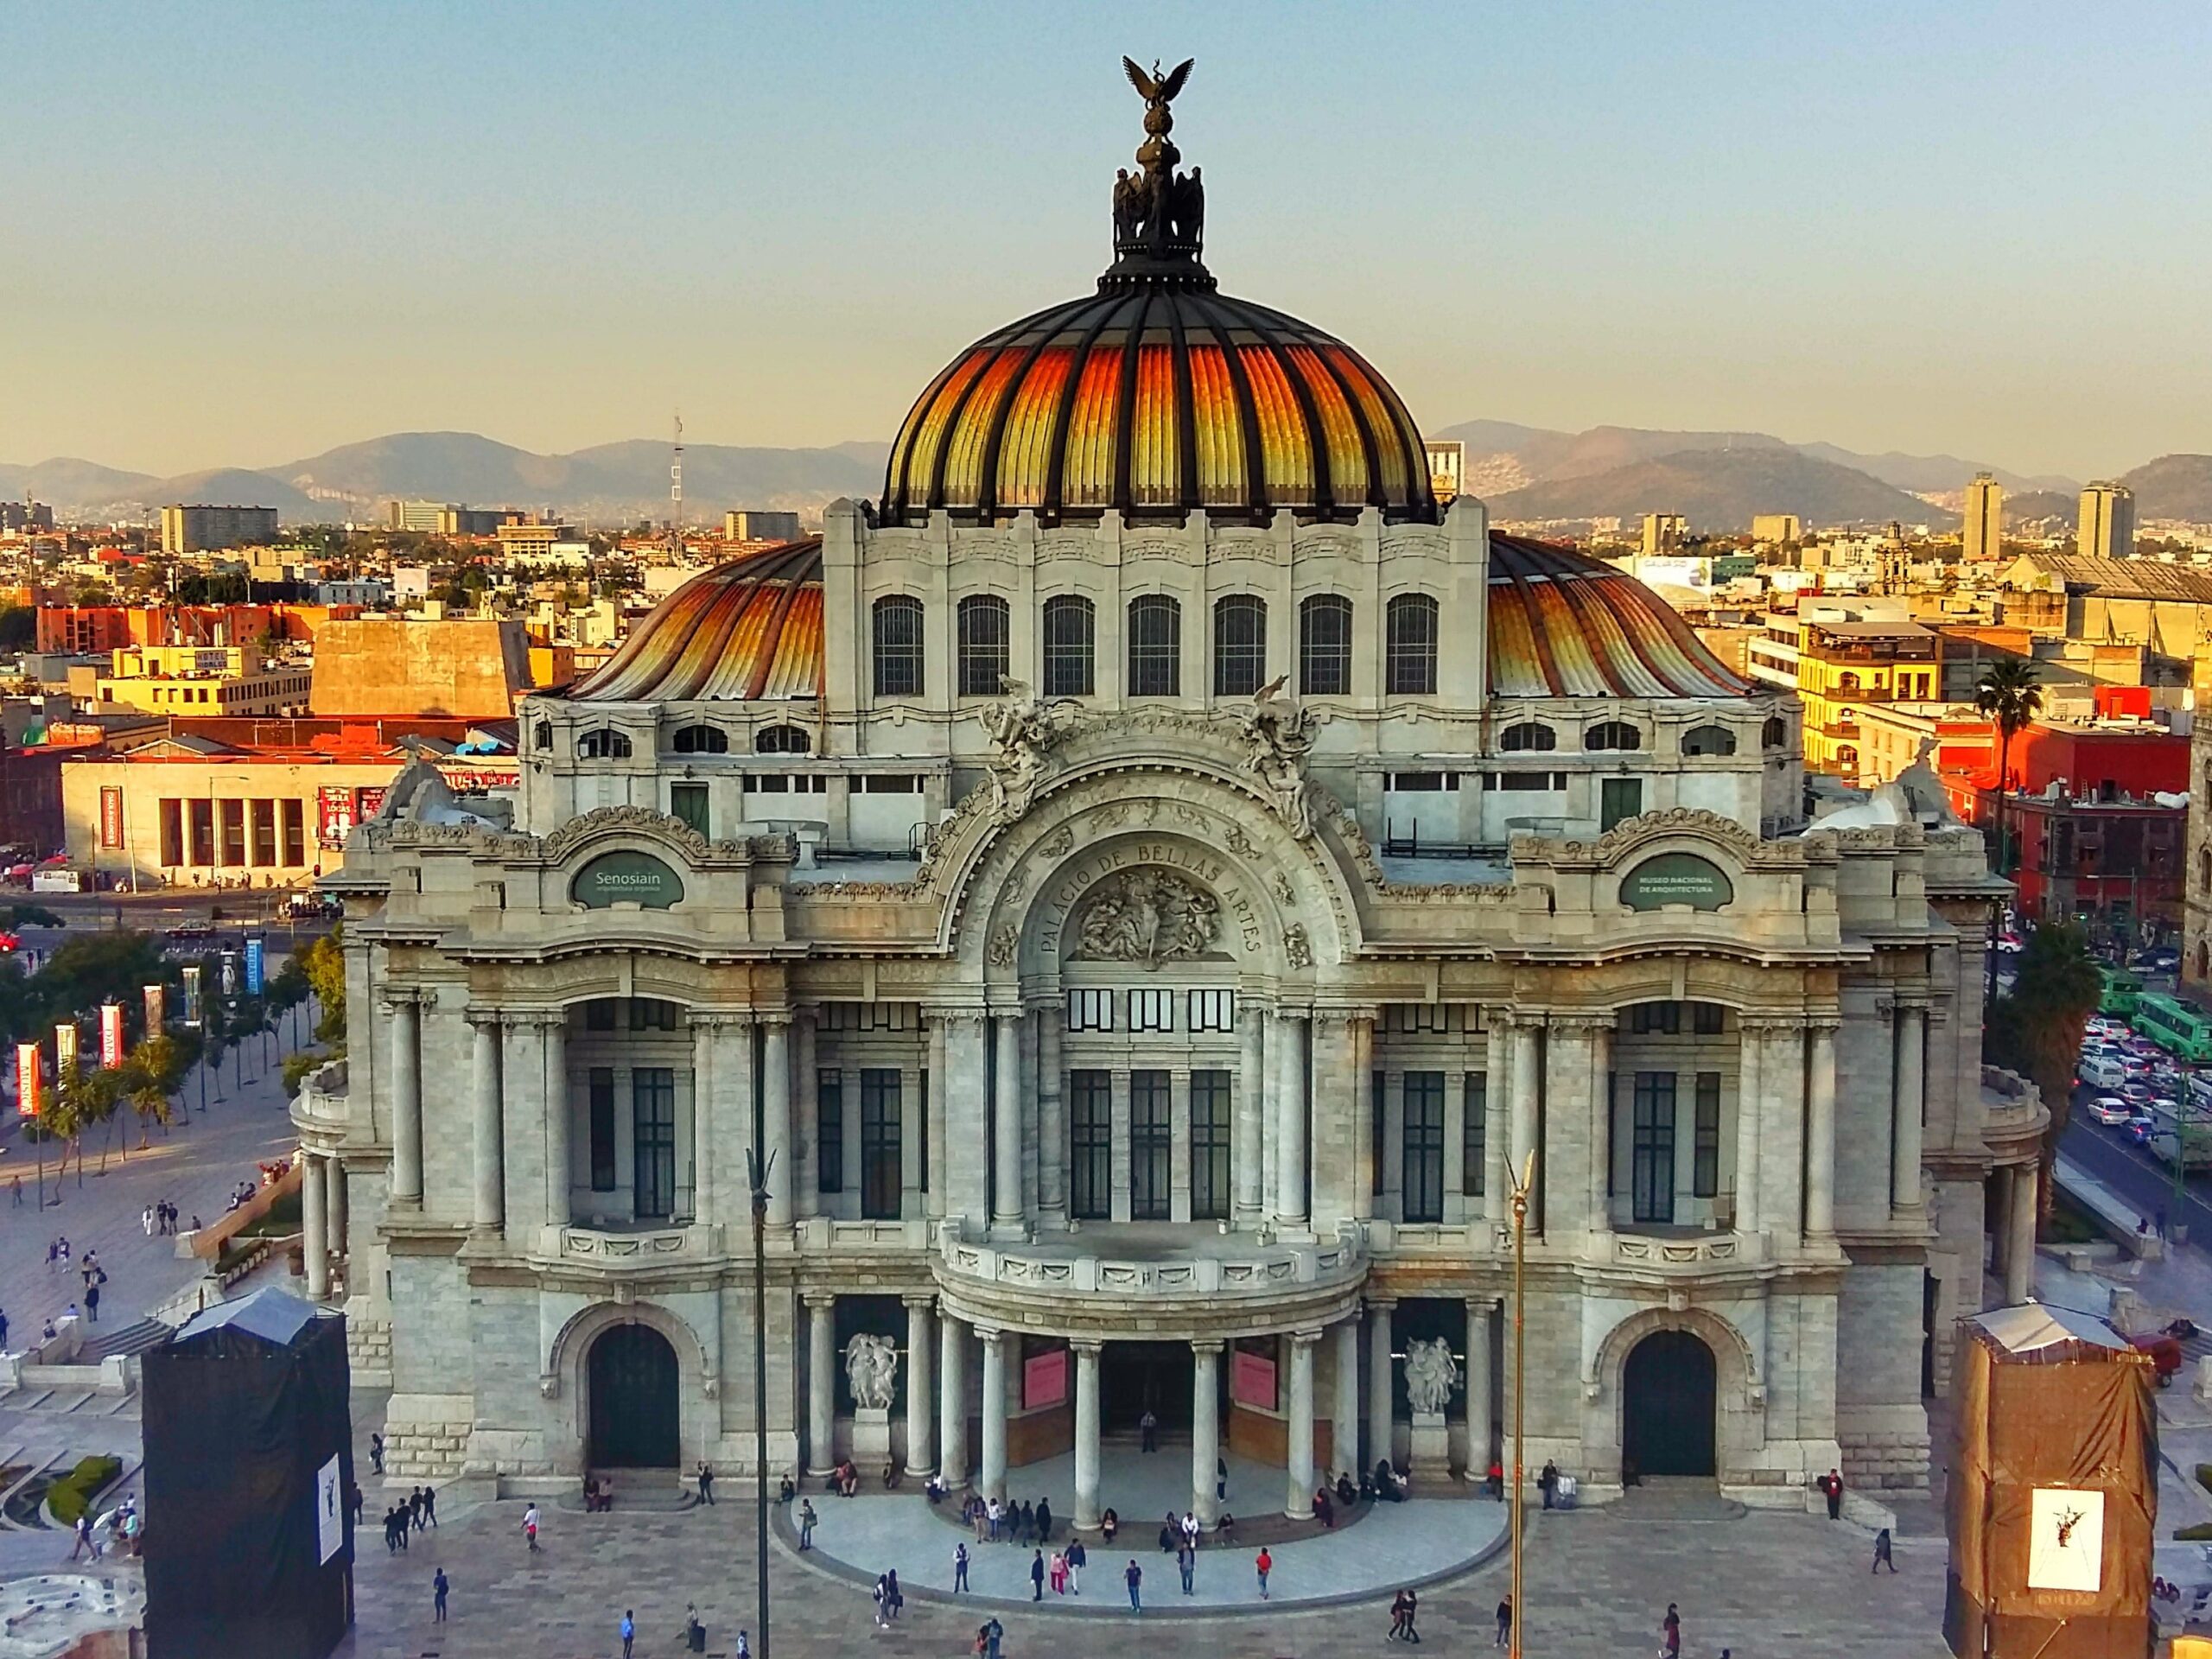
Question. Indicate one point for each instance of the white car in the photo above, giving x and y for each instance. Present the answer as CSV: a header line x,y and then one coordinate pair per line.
x,y
2110,1111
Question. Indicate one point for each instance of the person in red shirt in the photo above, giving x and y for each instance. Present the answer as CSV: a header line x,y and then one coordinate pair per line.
x,y
1265,1564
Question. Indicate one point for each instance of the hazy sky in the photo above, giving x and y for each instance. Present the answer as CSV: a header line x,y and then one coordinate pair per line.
x,y
241,234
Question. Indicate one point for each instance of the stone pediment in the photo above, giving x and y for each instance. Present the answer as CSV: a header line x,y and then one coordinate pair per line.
x,y
1626,839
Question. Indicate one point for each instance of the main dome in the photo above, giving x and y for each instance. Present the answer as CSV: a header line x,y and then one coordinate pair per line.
x,y
1158,394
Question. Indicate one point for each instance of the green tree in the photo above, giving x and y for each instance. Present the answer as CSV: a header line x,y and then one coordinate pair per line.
x,y
2037,1027
149,1077
2008,693
324,965
18,628
85,1097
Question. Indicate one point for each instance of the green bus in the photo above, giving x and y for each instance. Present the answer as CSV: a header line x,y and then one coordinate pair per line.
x,y
2123,990
2180,1028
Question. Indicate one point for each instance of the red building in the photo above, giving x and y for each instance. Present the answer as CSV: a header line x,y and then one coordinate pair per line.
x,y
2089,835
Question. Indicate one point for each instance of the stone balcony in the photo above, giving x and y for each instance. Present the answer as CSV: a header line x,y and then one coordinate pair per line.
x,y
2013,1116
620,1248
321,1111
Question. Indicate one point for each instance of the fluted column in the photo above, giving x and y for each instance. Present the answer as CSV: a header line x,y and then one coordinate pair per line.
x,y
1086,1433
558,1158
1290,1125
1051,1115
1381,1381
992,1483
1598,1043
952,1400
1911,1106
2020,1247
1245,1152
706,1111
1819,1130
1478,1395
1344,1407
315,1226
940,1086
1006,1124
1206,1429
921,1397
776,1114
406,1098
489,1214
1298,1502
820,1384
1751,1051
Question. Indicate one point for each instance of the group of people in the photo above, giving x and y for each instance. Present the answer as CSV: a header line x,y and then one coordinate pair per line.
x,y
845,1479
995,1522
121,1526
159,1219
419,1511
888,1600
57,1257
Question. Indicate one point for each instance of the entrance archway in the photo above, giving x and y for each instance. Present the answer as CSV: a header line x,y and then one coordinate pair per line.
x,y
1668,1397
634,1423
1138,1376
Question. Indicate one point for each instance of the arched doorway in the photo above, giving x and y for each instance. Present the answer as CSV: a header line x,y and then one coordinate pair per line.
x,y
1668,1400
634,1400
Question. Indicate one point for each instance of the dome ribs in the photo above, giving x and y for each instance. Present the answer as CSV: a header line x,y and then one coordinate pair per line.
x,y
1261,322
1248,412
1376,496
1056,449
1186,418
987,478
1126,409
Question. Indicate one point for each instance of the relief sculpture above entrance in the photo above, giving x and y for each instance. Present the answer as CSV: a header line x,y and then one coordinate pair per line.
x,y
1149,916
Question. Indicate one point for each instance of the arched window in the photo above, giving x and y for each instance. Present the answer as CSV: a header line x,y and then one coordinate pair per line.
x,y
1848,682
1612,734
1324,646
1071,625
700,740
782,740
1528,734
605,744
985,639
899,647
1240,644
1410,656
1155,646
1775,733
1708,739
542,734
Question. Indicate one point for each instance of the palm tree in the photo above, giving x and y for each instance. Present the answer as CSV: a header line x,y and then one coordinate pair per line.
x,y
2009,693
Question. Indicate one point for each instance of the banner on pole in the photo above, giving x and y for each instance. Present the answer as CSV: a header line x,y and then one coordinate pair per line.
x,y
255,956
27,1080
64,1046
191,996
155,999
110,1035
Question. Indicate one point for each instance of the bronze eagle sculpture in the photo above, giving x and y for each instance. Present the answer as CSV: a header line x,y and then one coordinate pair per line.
x,y
1151,87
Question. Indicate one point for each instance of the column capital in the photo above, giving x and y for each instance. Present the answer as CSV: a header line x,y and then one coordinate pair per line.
x,y
773,1018
954,1016
1584,1022
492,1018
1089,1347
818,1302
1305,1338
1382,1303
396,997
922,1302
1208,1344
989,1335
715,1018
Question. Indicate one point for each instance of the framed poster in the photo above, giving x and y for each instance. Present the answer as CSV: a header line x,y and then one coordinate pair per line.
x,y
1252,1380
1045,1380
329,1512
2066,1539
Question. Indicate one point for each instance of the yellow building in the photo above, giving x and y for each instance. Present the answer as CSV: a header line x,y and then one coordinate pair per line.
x,y
199,680
1838,665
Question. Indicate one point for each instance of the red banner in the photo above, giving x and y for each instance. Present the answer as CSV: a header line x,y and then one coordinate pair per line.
x,y
1252,1381
111,815
110,1035
334,815
1045,1380
27,1080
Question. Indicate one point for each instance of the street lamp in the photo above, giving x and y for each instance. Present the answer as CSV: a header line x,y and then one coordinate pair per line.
x,y
757,1169
1521,1187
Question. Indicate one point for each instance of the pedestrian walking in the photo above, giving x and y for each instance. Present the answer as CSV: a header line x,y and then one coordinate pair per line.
x,y
1882,1553
1670,1634
1505,1621
18,1190
1264,1563
994,1633
706,1482
438,1588
1077,1557
1044,1520
92,1304
1221,1479
85,1541
529,1527
1149,1427
629,1629
375,1452
146,1221
4,1332
897,1598
1186,1563
959,1568
414,1509
1398,1617
882,1602
52,1252
744,1645
1413,1612
1831,1487
429,1506
1132,1575
1058,1573
1037,1576
995,1512
806,1523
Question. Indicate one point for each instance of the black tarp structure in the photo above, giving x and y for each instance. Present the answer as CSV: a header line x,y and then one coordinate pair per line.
x,y
246,1408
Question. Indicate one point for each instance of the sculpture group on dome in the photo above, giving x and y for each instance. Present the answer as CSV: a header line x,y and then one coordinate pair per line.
x,y
1158,211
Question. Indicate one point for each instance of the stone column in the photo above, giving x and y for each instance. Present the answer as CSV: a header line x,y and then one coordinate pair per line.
x,y
559,1161
1086,1433
489,1214
966,1120
821,1383
1245,1152
940,1086
333,1176
1051,1115
1912,1106
315,1226
1820,1132
706,1108
1478,1396
2020,1247
804,1176
1381,1380
1498,1127
1206,1429
952,1400
1598,1040
775,1115
406,1099
1363,1105
1298,1502
1344,1407
1005,1126
1290,1131
1751,1049
921,1398
992,1481
1527,1036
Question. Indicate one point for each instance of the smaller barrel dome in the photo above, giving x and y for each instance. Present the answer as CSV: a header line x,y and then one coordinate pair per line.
x,y
1562,624
743,630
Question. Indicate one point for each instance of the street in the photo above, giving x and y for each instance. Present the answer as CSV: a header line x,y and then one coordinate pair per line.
x,y
2145,1182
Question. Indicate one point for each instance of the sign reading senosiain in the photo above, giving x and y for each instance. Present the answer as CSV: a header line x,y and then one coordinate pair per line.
x,y
626,878
1676,879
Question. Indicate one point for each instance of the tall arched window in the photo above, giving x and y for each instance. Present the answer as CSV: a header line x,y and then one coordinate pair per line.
x,y
1528,734
1240,644
899,647
1775,733
1708,739
605,744
1155,646
1070,625
1612,734
1324,646
985,643
700,740
1409,657
782,740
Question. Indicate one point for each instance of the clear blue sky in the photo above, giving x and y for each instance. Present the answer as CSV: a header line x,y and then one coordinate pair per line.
x,y
240,234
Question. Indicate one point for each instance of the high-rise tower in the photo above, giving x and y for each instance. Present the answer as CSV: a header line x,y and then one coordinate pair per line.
x,y
2107,527
1984,526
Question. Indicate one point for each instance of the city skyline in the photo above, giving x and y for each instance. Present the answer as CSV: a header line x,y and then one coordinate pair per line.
x,y
1599,215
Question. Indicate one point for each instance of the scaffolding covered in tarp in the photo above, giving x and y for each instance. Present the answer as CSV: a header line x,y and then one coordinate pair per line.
x,y
2054,1490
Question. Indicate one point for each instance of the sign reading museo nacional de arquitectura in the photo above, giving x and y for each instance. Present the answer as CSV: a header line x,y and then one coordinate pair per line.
x,y
1049,914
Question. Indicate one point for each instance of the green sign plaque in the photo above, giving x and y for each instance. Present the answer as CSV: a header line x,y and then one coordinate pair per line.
x,y
1676,879
626,878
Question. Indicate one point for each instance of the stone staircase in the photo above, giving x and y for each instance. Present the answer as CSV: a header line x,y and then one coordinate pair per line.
x,y
650,1491
128,1340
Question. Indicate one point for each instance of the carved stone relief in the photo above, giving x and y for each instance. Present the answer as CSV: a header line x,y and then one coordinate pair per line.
x,y
1147,916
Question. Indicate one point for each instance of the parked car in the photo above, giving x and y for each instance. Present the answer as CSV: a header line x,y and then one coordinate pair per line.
x,y
2136,1091
191,932
2111,1111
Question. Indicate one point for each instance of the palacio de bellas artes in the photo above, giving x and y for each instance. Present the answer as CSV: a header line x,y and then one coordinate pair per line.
x,y
1148,884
